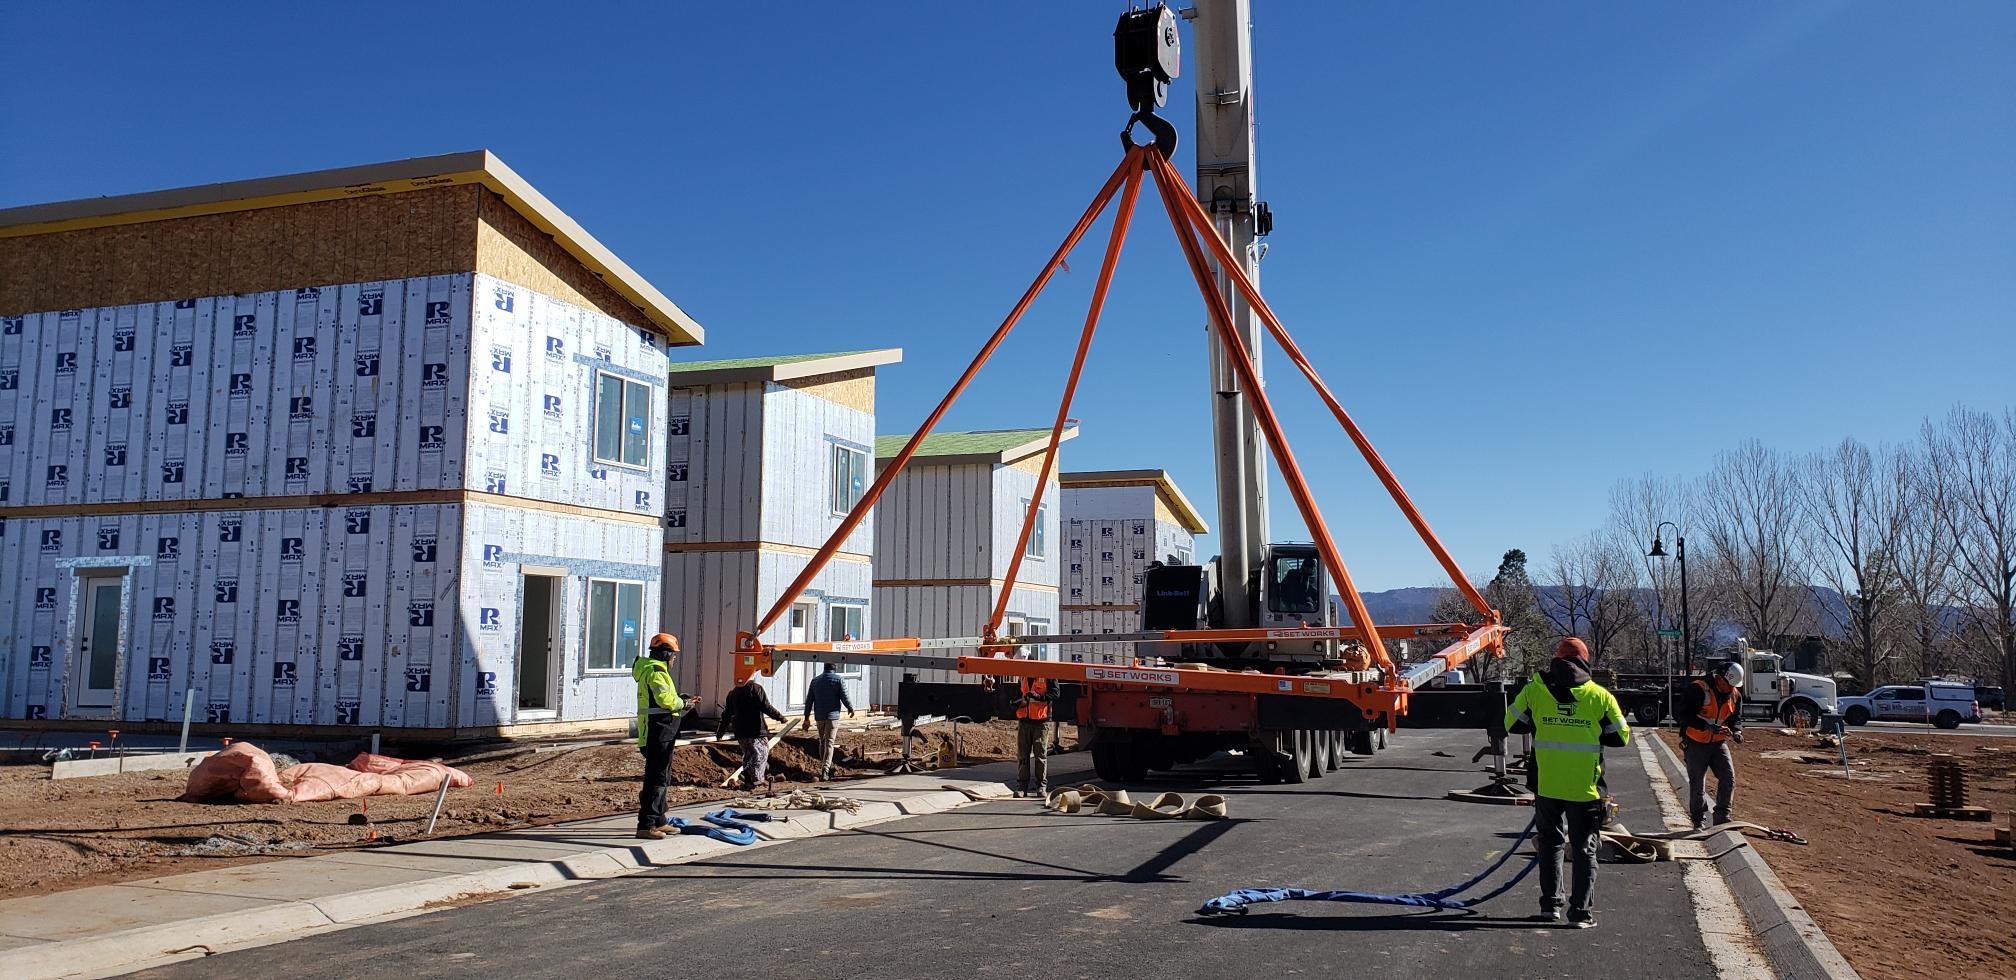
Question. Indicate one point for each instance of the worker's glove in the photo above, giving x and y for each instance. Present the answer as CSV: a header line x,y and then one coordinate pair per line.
x,y
1737,734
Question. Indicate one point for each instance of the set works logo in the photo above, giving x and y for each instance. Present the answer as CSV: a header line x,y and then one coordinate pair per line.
x,y
177,413
500,421
40,656
241,384
306,293
231,530
364,425
297,469
486,684
226,591
217,713
420,613
237,443
119,396
10,379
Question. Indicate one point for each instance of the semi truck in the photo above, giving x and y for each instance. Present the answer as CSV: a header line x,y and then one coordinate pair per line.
x,y
1769,691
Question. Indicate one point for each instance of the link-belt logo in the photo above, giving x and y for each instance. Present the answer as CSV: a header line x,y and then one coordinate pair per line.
x,y
424,547
168,549
241,384
52,541
347,712
489,619
438,313
227,590
501,298
350,648
550,404
223,651
157,668
237,443
45,598
292,550
304,348
419,680
39,656
500,360
1128,676
556,348
371,304
59,420
367,364
66,362
301,407
420,614
108,537
245,326
119,396
287,611
164,609
364,425
181,354
122,340
357,522
434,374
356,585
493,556
500,421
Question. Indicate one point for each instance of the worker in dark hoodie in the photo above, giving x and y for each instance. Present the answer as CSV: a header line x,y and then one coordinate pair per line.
x,y
1571,719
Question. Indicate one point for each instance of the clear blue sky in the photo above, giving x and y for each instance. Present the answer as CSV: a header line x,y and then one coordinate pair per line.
x,y
1536,247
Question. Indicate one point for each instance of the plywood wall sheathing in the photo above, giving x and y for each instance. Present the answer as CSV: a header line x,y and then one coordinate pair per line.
x,y
854,389
509,247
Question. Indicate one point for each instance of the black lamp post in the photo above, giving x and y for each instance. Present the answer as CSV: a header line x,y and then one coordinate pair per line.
x,y
1680,552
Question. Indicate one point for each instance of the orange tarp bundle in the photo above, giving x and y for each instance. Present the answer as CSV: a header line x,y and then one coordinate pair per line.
x,y
244,772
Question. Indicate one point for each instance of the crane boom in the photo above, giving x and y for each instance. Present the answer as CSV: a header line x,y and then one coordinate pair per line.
x,y
1222,39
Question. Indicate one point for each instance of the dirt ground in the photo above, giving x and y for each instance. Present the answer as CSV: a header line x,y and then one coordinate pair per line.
x,y
56,835
1900,895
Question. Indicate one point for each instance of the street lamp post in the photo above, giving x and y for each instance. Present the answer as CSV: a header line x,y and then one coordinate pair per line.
x,y
1686,621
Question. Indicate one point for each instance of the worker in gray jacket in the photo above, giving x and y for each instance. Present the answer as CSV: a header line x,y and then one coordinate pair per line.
x,y
824,698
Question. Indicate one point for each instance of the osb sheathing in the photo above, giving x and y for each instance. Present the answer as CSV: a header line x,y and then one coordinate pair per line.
x,y
1033,463
360,239
1165,514
514,249
853,389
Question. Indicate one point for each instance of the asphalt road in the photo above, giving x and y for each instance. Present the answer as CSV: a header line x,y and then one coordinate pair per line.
x,y
1007,889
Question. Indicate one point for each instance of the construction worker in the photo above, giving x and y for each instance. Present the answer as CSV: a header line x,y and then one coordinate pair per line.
x,y
825,696
660,710
743,710
1711,714
1032,738
1571,718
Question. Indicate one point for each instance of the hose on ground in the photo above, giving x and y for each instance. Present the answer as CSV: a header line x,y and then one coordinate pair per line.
x,y
1235,902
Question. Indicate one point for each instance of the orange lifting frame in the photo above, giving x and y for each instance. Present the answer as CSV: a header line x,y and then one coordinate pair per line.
x,y
1190,223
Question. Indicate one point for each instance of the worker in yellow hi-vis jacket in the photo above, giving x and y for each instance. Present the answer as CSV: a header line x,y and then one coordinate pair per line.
x,y
1571,719
659,711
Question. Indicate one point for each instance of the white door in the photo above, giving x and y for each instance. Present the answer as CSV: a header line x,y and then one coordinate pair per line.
x,y
97,662
797,673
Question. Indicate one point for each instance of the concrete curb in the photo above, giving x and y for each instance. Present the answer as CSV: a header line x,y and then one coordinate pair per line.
x,y
1795,944
111,929
109,764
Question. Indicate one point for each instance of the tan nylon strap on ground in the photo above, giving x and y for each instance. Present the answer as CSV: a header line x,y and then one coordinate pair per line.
x,y
1116,803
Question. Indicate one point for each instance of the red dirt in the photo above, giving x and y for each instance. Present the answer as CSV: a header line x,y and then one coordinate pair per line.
x,y
57,835
1900,895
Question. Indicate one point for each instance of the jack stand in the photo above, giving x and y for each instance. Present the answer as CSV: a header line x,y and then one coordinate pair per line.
x,y
1503,789
908,765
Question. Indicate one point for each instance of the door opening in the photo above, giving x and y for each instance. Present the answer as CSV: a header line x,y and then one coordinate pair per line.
x,y
97,659
798,674
538,647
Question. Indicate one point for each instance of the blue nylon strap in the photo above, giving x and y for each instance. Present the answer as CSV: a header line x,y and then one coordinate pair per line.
x,y
1235,902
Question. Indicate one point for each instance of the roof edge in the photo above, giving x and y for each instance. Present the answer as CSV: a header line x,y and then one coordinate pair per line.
x,y
788,371
1165,487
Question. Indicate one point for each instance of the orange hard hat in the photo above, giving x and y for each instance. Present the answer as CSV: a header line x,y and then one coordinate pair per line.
x,y
1572,647
664,640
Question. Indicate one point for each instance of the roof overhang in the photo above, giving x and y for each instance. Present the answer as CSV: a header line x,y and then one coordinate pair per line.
x,y
419,173
732,373
1164,486
1020,451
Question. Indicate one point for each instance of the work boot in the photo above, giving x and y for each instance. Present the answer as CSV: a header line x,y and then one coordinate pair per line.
x,y
650,833
1583,921
1545,915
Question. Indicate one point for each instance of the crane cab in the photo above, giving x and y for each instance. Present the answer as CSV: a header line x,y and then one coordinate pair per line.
x,y
1292,592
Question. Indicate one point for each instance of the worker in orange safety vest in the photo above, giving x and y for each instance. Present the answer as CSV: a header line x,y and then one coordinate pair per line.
x,y
1032,738
1711,714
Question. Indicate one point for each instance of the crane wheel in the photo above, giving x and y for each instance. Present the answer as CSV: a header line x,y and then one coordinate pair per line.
x,y
1333,750
1295,769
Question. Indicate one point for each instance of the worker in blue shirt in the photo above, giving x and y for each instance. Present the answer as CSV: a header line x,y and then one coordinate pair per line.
x,y
824,698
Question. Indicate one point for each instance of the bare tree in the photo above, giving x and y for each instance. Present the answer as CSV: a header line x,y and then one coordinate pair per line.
x,y
1590,597
1855,517
1973,458
1923,562
1750,512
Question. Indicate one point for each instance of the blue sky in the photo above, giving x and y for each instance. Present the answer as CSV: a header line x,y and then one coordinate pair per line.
x,y
1536,248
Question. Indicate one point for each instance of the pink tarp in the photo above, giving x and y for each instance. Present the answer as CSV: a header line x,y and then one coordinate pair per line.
x,y
244,772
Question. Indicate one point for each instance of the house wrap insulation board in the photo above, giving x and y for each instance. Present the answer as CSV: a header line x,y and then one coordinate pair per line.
x,y
1111,535
313,502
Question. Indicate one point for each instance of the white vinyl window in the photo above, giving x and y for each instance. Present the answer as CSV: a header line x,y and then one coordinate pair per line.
x,y
622,421
850,479
615,623
1038,535
844,623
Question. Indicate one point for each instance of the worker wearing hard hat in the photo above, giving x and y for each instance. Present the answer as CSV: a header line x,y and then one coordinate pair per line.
x,y
1032,735
659,711
1711,714
1571,719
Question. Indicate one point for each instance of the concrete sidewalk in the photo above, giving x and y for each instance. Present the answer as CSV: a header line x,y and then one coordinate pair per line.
x,y
113,928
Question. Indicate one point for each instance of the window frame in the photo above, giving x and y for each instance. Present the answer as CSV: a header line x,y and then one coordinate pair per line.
x,y
834,491
849,671
1274,597
1039,535
615,625
595,419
